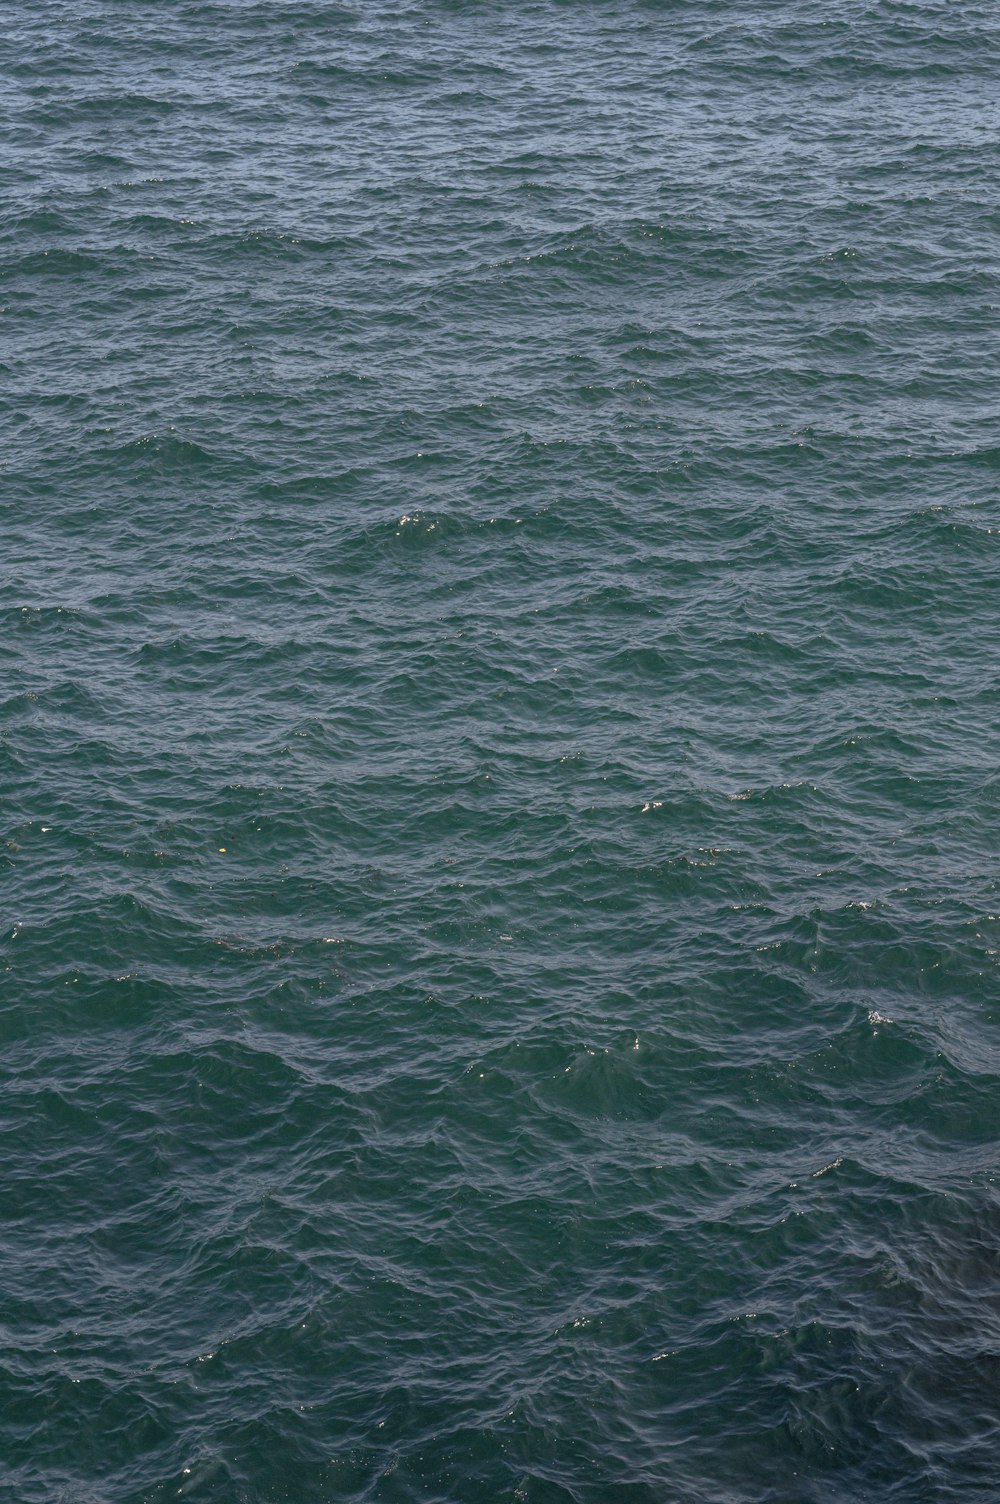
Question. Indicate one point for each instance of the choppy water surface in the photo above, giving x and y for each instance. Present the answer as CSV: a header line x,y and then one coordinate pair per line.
x,y
499,756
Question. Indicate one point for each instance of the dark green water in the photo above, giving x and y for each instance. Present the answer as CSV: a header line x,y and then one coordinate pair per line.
x,y
499,752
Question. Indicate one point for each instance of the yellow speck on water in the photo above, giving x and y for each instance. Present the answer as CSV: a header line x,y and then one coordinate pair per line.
x,y
222,850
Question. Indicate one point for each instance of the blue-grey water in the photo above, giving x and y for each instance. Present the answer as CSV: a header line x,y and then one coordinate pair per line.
x,y
499,752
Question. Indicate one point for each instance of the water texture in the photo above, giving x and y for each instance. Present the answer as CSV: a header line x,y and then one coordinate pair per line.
x,y
499,752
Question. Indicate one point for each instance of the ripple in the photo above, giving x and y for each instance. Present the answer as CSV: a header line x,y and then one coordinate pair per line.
x,y
500,812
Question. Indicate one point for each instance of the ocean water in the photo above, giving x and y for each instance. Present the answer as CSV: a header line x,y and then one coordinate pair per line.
x,y
499,752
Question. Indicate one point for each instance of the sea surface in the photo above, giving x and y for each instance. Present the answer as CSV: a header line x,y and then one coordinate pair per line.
x,y
500,752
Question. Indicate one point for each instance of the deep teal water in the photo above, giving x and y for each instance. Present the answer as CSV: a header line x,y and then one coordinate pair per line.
x,y
525,481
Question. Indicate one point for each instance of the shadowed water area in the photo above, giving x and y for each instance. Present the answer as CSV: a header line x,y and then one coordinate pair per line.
x,y
499,752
